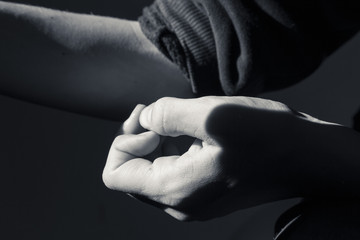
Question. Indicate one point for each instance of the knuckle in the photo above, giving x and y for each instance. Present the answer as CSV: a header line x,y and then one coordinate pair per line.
x,y
162,104
159,114
108,179
117,140
121,143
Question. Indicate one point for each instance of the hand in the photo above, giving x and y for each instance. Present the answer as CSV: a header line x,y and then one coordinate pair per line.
x,y
247,151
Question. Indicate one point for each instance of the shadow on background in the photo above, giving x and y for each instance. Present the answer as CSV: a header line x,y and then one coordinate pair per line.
x,y
51,161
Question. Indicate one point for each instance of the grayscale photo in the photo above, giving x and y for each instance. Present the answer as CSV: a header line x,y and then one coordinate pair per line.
x,y
179,119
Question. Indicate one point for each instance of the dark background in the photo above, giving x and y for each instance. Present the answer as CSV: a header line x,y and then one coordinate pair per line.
x,y
51,161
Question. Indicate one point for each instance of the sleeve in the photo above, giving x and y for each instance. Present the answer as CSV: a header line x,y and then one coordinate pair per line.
x,y
248,46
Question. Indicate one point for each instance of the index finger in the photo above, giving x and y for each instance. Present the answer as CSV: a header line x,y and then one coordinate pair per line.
x,y
175,117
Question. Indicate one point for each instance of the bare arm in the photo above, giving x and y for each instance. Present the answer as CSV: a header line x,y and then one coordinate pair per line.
x,y
88,64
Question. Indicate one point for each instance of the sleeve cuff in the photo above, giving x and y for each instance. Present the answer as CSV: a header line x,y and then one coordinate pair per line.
x,y
181,30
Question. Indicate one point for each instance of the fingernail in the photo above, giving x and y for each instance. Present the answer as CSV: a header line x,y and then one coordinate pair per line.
x,y
145,117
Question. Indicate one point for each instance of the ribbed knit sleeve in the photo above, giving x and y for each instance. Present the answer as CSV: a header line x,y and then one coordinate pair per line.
x,y
248,46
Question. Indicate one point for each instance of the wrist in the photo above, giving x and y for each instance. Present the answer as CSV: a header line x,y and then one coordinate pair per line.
x,y
326,161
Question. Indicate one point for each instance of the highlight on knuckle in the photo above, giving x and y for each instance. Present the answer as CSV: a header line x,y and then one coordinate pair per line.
x,y
108,180
118,139
159,113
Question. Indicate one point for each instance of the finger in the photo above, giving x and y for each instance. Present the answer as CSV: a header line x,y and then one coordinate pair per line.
x,y
174,117
195,147
127,147
132,125
177,214
130,177
141,177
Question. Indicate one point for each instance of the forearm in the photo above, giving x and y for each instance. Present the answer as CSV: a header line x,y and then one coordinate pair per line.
x,y
88,64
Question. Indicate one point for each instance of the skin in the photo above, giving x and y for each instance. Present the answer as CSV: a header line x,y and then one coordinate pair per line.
x,y
247,151
88,64
69,61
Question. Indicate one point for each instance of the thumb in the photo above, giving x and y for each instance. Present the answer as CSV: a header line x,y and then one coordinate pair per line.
x,y
175,117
